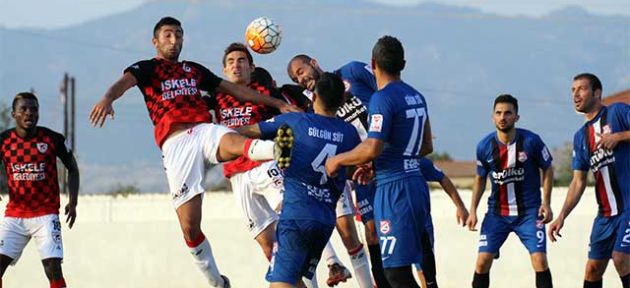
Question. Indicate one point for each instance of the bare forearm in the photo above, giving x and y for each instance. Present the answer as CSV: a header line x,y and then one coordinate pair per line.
x,y
451,191
478,189
361,154
245,94
547,185
576,189
73,186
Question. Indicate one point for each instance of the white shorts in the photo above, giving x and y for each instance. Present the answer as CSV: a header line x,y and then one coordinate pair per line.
x,y
344,204
259,191
185,156
45,231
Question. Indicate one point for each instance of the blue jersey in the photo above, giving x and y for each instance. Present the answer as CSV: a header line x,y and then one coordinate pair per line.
x,y
430,172
360,85
611,168
514,171
397,116
309,194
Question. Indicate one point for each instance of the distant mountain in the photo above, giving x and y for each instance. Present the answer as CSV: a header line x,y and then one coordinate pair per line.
x,y
459,58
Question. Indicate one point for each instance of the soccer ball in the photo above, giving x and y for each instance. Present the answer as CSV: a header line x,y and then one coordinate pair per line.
x,y
263,35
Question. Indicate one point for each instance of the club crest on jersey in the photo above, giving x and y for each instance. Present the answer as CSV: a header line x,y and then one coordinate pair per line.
x,y
376,123
385,226
606,129
186,68
522,156
42,147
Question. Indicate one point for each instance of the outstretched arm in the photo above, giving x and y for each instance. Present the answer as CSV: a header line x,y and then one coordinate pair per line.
x,y
461,213
576,189
246,94
104,106
478,188
365,152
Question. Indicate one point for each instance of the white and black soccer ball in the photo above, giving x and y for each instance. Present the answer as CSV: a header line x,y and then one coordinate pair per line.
x,y
263,35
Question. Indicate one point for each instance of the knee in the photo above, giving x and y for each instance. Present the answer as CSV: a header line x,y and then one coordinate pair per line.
x,y
622,263
483,265
594,271
52,268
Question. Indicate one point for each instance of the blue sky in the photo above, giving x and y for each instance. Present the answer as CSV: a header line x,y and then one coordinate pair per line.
x,y
60,13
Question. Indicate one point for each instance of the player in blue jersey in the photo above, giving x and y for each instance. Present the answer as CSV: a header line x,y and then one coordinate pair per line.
x,y
399,132
360,84
512,158
308,207
603,146
431,173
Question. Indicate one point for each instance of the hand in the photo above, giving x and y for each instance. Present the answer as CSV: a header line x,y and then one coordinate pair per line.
x,y
554,229
71,214
363,174
608,140
100,111
331,167
471,222
286,108
546,213
461,215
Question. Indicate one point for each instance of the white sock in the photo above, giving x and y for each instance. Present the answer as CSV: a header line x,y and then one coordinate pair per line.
x,y
312,283
259,150
202,255
330,255
361,267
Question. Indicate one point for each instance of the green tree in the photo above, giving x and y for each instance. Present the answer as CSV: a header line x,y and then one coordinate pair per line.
x,y
124,190
440,156
562,158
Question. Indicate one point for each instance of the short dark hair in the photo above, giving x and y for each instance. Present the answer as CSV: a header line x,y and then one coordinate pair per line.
x,y
165,21
24,95
236,46
301,57
330,89
592,79
389,55
506,98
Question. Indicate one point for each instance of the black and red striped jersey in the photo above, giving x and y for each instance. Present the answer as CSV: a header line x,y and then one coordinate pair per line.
x,y
233,113
172,92
514,171
611,168
31,168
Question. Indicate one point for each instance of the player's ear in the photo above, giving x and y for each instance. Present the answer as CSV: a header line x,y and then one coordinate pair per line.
x,y
517,117
155,42
314,63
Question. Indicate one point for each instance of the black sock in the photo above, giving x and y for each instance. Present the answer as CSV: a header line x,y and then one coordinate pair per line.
x,y
543,279
377,266
428,262
625,281
401,277
481,280
595,284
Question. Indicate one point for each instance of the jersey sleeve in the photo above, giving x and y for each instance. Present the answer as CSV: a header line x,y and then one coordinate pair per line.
x,y
622,115
380,117
580,154
268,128
363,73
430,172
541,153
209,81
62,151
142,71
482,166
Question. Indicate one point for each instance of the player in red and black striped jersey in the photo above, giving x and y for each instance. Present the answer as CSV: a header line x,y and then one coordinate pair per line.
x,y
172,92
29,153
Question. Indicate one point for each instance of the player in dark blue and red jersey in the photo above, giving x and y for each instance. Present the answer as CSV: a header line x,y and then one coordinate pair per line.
x,y
360,84
399,132
310,197
172,92
603,146
29,153
512,158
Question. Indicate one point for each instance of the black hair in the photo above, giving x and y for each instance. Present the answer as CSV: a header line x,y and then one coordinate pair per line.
x,y
592,79
165,21
330,89
506,98
389,55
236,46
24,95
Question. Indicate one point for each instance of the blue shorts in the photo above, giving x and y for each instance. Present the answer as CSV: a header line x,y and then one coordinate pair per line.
x,y
528,227
400,212
429,238
610,234
298,250
365,200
